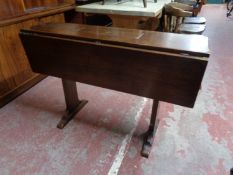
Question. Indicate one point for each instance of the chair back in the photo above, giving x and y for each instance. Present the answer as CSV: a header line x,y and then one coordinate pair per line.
x,y
173,16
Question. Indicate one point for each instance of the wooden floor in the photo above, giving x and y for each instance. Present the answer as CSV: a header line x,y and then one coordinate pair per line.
x,y
104,138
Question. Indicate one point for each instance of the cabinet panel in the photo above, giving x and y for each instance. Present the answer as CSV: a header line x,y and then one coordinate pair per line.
x,y
3,85
13,51
39,3
55,19
10,8
7,65
14,66
30,4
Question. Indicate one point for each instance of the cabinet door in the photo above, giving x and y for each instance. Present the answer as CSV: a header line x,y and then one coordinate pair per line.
x,y
3,86
9,8
13,54
7,64
15,70
52,19
39,3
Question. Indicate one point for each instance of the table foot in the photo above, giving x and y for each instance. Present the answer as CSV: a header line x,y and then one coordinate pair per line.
x,y
69,115
148,141
149,135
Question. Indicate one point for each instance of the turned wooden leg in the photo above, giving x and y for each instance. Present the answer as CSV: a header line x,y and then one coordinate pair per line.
x,y
73,104
149,135
144,3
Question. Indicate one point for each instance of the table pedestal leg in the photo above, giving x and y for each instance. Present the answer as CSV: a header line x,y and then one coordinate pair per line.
x,y
73,104
149,135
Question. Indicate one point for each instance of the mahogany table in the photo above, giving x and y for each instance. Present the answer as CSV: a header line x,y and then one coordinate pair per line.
x,y
162,66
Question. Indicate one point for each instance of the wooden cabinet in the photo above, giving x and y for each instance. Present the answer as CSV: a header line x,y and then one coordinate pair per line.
x,y
15,72
45,3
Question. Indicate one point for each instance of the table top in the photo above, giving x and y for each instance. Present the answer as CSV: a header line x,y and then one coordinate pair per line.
x,y
125,7
194,45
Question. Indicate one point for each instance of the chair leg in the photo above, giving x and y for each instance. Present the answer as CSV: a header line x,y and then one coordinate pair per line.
x,y
144,3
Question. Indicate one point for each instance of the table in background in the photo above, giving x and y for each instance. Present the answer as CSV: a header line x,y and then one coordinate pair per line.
x,y
128,14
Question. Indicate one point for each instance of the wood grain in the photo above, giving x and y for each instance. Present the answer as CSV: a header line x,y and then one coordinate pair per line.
x,y
127,67
15,11
169,42
16,75
9,8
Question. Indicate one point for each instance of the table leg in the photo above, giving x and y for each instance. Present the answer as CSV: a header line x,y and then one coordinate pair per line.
x,y
149,135
231,171
73,104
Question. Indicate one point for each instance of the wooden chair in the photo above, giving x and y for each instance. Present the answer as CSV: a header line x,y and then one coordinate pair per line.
x,y
189,20
185,7
173,20
196,4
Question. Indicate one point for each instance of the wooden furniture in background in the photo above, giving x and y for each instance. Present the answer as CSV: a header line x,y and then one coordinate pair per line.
x,y
189,19
129,14
15,72
173,20
138,62
144,2
30,5
196,4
